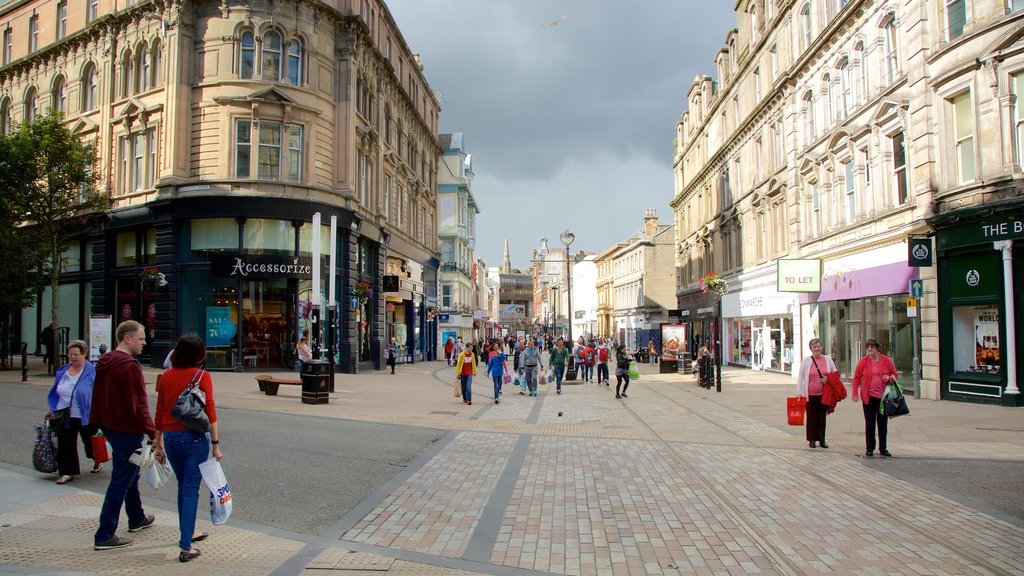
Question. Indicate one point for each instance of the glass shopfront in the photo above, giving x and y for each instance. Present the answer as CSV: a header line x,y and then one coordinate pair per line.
x,y
844,325
762,343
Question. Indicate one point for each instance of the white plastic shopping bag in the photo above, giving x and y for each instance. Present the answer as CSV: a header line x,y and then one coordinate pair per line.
x,y
156,474
220,492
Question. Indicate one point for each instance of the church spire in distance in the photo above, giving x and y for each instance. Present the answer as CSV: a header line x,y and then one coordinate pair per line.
x,y
506,265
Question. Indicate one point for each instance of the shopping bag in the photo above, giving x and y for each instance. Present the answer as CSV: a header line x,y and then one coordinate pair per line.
x,y
100,448
893,402
143,456
795,409
458,387
551,375
44,454
220,492
157,474
543,378
508,378
634,371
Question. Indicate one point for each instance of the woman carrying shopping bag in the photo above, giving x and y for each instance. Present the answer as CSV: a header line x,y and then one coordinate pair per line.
x,y
465,369
810,384
185,448
68,415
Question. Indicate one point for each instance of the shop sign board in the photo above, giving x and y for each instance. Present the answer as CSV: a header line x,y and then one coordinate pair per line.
x,y
919,252
799,275
673,338
219,327
261,266
975,277
1008,227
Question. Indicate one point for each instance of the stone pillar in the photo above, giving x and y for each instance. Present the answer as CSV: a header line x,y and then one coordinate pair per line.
x,y
1006,247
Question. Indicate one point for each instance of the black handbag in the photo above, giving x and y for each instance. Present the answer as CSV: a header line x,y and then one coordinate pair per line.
x,y
60,420
190,409
895,404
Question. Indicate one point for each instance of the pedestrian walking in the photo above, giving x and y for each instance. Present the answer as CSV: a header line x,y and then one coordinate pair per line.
x,y
449,346
532,362
465,369
558,357
46,341
622,360
392,354
589,359
72,390
496,368
184,448
602,362
121,409
810,384
874,372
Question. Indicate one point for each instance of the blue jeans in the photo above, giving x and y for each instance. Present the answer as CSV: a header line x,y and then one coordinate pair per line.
x,y
602,372
588,372
186,450
467,388
559,373
498,380
123,487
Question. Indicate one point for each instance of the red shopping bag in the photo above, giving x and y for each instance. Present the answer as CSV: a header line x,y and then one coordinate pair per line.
x,y
100,454
795,408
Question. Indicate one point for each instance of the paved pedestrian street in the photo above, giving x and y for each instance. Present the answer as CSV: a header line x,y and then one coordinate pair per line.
x,y
671,480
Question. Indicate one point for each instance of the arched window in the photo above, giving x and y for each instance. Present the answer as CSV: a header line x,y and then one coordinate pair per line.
x,y
387,125
845,96
156,75
127,74
59,96
805,25
890,49
808,113
6,122
89,88
295,62
30,104
141,69
271,56
863,89
247,59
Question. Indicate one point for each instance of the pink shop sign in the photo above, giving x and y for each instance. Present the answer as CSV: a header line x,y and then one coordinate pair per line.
x,y
847,283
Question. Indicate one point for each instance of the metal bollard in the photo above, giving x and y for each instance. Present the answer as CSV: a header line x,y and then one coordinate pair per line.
x,y
24,361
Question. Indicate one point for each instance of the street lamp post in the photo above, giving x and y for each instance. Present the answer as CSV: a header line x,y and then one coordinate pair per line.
x,y
567,238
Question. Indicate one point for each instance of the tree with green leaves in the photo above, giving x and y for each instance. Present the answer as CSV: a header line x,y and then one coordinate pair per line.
x,y
51,193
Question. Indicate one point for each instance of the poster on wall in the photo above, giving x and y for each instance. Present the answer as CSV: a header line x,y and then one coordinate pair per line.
x,y
401,334
100,328
219,327
986,339
673,338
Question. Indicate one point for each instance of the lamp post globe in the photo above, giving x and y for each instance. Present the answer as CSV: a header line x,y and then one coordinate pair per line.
x,y
567,238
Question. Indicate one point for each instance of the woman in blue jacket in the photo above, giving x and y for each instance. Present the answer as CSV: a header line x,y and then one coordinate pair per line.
x,y
496,367
72,387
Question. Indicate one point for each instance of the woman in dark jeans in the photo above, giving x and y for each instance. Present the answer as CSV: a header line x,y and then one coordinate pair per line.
x,y
622,360
72,388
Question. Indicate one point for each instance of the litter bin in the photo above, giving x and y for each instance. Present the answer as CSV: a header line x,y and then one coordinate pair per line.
x,y
315,378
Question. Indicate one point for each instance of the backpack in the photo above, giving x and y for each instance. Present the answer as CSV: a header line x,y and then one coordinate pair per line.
x,y
602,353
589,358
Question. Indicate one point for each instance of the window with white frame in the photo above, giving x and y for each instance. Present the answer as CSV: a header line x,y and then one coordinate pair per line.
x,y
827,12
62,19
1017,84
1014,5
142,70
845,89
137,163
33,33
963,135
762,233
89,87
93,10
6,118
956,18
757,84
295,62
31,104
805,26
773,55
278,150
247,55
736,112
59,95
826,100
271,56
387,197
446,297
865,163
815,210
863,89
890,48
808,117
778,148
400,208
8,45
753,25
851,191
899,169
759,159
364,178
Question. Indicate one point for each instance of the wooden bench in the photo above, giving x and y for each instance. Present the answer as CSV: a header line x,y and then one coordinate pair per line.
x,y
269,384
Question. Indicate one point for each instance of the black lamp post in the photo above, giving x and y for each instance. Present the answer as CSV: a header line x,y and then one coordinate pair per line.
x,y
567,238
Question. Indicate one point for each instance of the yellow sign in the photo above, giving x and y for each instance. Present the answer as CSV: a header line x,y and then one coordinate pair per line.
x,y
911,302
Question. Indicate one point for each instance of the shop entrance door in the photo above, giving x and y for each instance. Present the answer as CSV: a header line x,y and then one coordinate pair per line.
x,y
136,300
266,316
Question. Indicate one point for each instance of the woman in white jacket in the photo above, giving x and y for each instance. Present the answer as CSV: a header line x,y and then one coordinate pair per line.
x,y
809,384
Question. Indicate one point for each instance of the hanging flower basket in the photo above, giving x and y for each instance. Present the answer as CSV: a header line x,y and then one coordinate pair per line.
x,y
363,291
153,277
714,284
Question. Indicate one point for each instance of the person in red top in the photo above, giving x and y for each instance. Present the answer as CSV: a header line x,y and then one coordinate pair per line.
x,y
874,372
184,448
121,409
448,347
589,359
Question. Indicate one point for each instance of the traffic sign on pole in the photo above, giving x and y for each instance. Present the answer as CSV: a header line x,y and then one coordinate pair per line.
x,y
916,289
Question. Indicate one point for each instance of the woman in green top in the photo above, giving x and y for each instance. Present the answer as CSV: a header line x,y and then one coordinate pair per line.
x,y
559,355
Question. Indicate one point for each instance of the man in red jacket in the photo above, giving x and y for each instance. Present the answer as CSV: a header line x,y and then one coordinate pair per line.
x,y
121,409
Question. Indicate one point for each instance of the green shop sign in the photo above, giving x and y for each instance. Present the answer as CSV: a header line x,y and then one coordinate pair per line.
x,y
1008,227
976,276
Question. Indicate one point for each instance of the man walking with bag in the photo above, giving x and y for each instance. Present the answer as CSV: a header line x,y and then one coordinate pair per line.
x,y
121,409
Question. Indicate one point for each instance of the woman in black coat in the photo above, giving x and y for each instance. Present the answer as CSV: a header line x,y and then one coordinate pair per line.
x,y
622,360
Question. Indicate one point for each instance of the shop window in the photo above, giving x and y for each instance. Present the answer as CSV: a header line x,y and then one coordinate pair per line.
x,y
217,234
125,249
268,235
976,343
306,239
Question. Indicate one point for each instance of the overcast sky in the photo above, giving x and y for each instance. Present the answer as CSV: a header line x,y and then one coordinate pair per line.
x,y
568,107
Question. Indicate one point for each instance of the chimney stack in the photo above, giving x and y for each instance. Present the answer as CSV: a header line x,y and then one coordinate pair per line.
x,y
650,222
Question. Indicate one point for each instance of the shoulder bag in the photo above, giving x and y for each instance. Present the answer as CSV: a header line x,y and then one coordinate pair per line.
x,y
60,420
190,409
